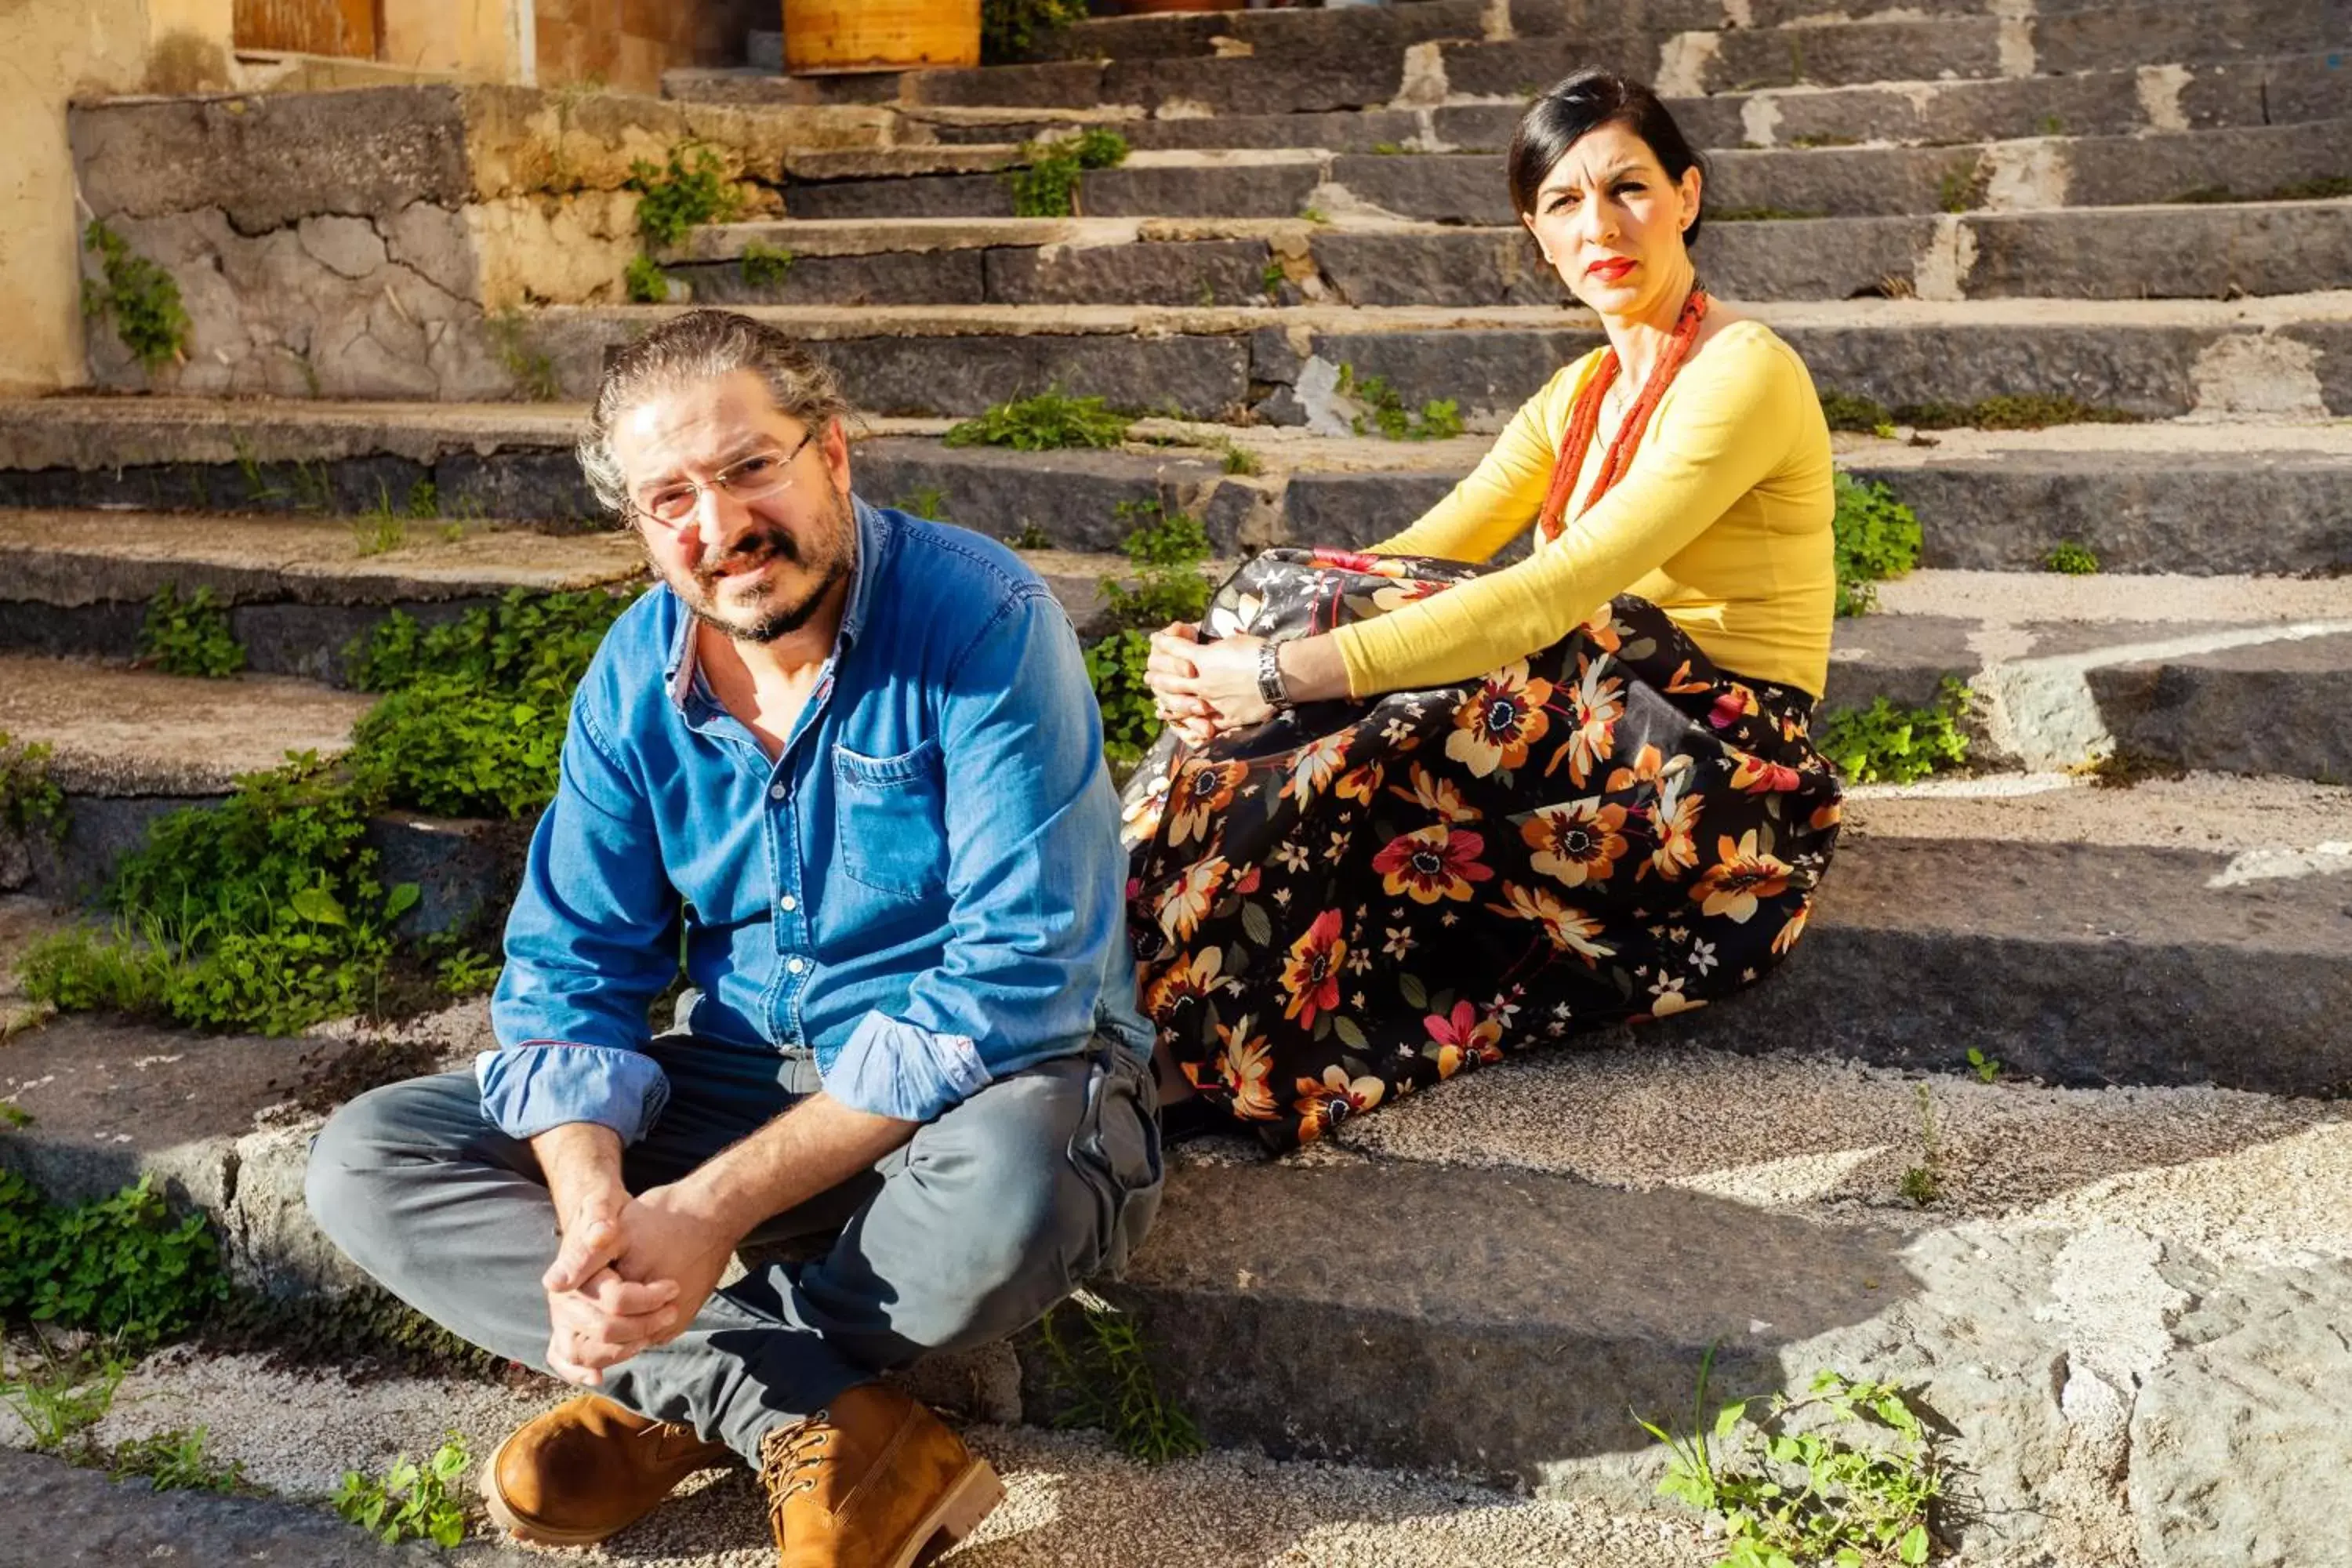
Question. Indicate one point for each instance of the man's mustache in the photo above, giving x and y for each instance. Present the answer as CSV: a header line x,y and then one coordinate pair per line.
x,y
752,550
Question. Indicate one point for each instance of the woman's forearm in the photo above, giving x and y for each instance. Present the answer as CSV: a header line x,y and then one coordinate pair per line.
x,y
1312,669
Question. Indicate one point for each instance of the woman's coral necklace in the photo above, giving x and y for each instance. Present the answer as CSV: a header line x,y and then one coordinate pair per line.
x,y
1585,421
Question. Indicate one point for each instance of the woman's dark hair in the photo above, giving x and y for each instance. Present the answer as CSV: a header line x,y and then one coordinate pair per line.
x,y
1576,105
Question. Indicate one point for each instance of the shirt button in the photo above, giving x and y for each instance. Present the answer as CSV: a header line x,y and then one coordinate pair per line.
x,y
794,966
788,903
775,792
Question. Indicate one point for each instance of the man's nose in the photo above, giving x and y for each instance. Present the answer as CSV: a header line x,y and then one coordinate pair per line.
x,y
718,518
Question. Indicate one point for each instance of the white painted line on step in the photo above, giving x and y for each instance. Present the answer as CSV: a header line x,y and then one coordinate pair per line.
x,y
1990,786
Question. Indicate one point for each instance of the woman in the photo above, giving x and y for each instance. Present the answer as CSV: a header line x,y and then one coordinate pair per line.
x,y
1412,813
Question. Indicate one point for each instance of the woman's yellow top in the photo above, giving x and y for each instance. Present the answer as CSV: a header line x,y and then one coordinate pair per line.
x,y
1723,521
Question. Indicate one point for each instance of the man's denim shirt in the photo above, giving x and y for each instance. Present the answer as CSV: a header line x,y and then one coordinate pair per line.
x,y
926,887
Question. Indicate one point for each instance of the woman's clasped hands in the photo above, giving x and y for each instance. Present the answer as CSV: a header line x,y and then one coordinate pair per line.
x,y
1202,689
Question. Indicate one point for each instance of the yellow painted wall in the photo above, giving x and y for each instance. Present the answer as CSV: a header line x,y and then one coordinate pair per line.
x,y
483,40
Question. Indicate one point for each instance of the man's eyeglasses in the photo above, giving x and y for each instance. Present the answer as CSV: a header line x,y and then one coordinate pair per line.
x,y
755,477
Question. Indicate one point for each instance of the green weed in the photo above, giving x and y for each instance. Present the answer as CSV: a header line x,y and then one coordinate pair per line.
x,y
2326,188
1962,188
1923,1184
1314,214
1825,140
63,1397
1043,423
1241,460
175,1462
1272,279
645,282
424,501
694,189
1764,215
1166,551
2010,411
1010,29
1884,743
765,266
2070,559
381,528
190,635
409,1502
138,297
1439,419
120,1267
1044,181
1844,1476
1103,1375
467,972
1029,536
1987,1069
518,351
1844,411
30,801
13,1116
925,501
1877,537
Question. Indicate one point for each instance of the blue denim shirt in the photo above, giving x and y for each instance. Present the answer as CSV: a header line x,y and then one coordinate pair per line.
x,y
925,887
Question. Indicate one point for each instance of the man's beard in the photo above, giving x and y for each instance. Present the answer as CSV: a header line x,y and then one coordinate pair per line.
x,y
830,556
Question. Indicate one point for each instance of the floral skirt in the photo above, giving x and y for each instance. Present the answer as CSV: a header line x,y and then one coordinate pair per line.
x,y
1357,899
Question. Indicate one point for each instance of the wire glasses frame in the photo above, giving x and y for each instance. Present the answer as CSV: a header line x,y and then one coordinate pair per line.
x,y
755,477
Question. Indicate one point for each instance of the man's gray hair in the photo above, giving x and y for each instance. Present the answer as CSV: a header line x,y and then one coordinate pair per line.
x,y
700,346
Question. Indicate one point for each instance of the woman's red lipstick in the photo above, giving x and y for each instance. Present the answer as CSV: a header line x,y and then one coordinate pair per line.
x,y
1610,269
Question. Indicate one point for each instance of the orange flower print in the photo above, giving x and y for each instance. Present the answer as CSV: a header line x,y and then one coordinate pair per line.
x,y
1675,820
1184,982
1184,906
1499,721
1602,630
1648,767
1357,561
1462,1036
1323,1103
1242,1066
1311,975
1315,765
1432,863
1828,816
1570,928
1578,843
1682,685
1246,883
1754,775
1403,593
1596,705
1666,999
1436,796
1786,938
1362,783
1741,875
1198,794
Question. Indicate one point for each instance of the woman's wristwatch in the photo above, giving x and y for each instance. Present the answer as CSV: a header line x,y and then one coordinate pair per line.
x,y
1269,675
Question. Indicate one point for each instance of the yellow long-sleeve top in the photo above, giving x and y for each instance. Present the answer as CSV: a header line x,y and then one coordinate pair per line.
x,y
1722,521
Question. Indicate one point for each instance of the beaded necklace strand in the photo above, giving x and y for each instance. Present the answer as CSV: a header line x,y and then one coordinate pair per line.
x,y
1585,421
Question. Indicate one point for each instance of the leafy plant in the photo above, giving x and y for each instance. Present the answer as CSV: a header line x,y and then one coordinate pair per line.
x,y
694,189
1241,460
30,801
925,501
1043,423
424,501
1029,536
765,266
381,528
1439,419
1877,537
1103,1375
1010,29
1845,1475
1045,180
138,297
1166,551
644,281
120,1267
409,1502
1961,189
190,635
176,1461
2070,559
467,972
1923,1184
1884,743
2010,411
1987,1069
1846,411
64,1397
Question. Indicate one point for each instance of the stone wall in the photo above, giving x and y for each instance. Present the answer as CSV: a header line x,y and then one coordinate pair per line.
x,y
372,243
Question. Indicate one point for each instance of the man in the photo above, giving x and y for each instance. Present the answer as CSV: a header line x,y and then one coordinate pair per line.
x,y
849,763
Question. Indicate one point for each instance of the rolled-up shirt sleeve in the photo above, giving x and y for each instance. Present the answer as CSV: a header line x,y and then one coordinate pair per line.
x,y
592,940
1034,875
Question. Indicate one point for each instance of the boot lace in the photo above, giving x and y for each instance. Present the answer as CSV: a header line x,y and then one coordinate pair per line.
x,y
789,1459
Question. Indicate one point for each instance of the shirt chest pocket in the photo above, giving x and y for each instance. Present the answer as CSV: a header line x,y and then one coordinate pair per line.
x,y
890,824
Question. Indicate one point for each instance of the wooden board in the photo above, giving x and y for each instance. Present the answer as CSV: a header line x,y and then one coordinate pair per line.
x,y
344,27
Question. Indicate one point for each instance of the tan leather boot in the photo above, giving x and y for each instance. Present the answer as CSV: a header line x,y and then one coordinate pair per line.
x,y
587,1469
875,1481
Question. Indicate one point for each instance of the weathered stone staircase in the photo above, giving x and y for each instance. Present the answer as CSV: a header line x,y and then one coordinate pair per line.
x,y
2141,208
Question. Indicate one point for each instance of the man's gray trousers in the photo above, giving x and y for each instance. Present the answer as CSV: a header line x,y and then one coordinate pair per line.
x,y
987,1217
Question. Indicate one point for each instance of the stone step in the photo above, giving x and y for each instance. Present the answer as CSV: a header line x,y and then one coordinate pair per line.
x,y
2152,358
2033,174
2169,497
1371,258
299,592
1365,72
2278,89
1535,1246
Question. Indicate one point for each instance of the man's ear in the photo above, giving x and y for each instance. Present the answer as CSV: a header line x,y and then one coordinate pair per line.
x,y
835,443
